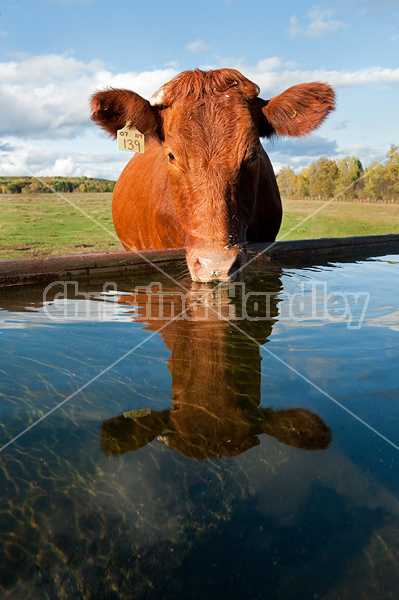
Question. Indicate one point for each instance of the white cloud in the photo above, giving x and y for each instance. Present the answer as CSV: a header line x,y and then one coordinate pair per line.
x,y
31,159
299,153
312,147
292,64
273,75
390,320
367,154
269,64
277,80
48,96
63,166
321,24
172,63
197,46
5,147
45,98
3,33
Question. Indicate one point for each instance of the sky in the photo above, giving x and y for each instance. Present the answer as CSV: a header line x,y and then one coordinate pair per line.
x,y
55,53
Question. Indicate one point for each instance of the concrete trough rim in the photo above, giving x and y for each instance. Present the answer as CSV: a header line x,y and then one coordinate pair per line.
x,y
27,271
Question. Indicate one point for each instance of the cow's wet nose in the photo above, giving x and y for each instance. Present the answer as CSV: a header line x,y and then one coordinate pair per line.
x,y
205,267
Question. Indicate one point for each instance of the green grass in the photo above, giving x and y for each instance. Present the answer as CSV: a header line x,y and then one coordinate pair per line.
x,y
337,219
38,225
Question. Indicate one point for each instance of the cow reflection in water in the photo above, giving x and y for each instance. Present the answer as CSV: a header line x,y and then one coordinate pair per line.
x,y
216,379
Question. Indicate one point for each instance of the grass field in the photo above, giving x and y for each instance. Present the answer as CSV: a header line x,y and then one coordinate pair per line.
x,y
38,225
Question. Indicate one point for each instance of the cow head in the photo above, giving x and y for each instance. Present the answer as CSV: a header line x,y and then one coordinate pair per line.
x,y
209,126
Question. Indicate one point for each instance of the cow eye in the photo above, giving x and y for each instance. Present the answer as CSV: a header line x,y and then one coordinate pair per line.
x,y
171,157
253,156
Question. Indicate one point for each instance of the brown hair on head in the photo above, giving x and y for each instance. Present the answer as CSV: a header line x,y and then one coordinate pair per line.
x,y
199,83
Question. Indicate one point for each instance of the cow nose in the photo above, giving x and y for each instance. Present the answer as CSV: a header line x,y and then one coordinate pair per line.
x,y
206,267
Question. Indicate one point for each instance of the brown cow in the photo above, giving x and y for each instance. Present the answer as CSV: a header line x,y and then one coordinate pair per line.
x,y
204,182
216,380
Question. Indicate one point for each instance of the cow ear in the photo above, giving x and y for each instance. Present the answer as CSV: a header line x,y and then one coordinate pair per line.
x,y
112,109
297,111
120,434
297,427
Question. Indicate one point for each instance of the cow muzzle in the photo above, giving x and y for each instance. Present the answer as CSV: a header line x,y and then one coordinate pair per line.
x,y
223,265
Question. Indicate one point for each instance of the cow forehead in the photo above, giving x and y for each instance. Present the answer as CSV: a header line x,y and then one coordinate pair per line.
x,y
218,124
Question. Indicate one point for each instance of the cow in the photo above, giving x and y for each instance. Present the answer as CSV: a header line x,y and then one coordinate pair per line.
x,y
216,408
205,182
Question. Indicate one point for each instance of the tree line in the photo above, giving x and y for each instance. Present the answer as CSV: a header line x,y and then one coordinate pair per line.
x,y
345,178
325,178
31,185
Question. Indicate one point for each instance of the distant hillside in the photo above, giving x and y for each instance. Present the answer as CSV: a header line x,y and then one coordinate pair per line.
x,y
32,185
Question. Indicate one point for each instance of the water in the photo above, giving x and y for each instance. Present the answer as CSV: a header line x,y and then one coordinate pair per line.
x,y
267,468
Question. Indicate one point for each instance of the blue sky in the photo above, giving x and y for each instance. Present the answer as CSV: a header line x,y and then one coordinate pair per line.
x,y
56,53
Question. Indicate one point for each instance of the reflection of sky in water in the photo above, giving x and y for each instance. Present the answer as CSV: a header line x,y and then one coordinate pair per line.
x,y
274,521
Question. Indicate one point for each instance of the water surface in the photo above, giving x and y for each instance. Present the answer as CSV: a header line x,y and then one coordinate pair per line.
x,y
267,467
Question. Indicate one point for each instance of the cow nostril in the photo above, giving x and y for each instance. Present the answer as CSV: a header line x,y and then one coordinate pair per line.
x,y
197,266
216,267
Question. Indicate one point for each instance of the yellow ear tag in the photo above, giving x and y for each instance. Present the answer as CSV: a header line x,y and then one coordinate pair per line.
x,y
139,413
130,139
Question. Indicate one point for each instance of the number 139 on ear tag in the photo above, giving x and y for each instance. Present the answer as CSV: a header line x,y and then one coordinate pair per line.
x,y
130,139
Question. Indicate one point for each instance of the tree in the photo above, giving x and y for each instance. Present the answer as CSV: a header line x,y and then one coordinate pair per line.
x,y
393,158
100,186
35,187
392,171
15,187
287,184
350,169
375,182
324,174
303,183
